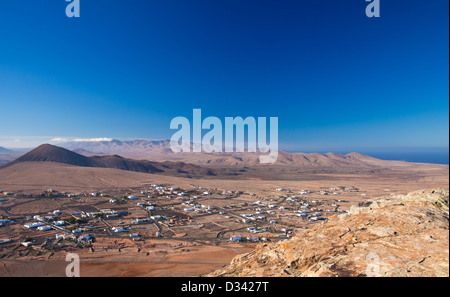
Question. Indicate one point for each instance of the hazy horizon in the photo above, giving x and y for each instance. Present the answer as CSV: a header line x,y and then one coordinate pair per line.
x,y
436,155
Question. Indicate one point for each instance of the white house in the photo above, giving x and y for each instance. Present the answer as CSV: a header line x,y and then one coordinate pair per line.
x,y
235,238
254,239
119,229
84,238
44,228
33,225
138,221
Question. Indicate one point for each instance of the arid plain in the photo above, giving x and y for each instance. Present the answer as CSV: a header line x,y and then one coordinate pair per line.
x,y
182,226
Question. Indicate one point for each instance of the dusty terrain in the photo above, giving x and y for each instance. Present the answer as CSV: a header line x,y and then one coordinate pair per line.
x,y
187,247
37,176
125,258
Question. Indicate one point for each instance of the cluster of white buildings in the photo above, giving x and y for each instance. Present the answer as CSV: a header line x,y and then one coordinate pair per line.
x,y
258,230
237,238
249,218
197,207
45,223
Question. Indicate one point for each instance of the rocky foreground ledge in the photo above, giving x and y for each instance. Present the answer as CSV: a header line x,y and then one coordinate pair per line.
x,y
395,236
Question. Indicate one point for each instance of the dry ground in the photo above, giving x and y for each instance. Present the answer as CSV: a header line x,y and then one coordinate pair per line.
x,y
176,257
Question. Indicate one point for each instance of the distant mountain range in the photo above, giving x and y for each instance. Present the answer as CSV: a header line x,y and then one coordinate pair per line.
x,y
119,147
7,155
159,150
4,151
156,157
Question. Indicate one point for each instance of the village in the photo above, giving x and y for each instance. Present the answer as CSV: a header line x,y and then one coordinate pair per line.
x,y
53,220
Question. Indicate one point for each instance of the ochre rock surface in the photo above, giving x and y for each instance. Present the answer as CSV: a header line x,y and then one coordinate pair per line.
x,y
395,236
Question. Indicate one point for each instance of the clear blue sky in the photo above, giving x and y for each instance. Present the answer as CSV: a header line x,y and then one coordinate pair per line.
x,y
337,80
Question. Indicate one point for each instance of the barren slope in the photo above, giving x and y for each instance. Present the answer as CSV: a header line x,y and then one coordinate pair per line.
x,y
393,236
51,153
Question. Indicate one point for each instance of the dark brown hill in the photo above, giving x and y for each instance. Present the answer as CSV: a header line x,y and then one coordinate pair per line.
x,y
51,153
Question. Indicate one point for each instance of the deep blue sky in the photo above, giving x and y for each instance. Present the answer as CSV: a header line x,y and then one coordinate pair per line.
x,y
337,80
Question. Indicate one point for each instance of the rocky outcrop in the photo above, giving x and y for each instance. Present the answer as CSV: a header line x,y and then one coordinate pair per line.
x,y
393,236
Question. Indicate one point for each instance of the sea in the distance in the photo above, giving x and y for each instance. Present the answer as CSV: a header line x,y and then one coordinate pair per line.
x,y
434,158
